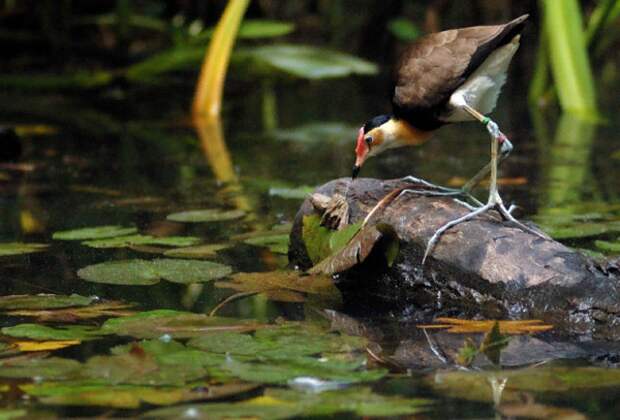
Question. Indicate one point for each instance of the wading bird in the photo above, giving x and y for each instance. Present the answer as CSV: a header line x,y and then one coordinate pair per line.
x,y
447,77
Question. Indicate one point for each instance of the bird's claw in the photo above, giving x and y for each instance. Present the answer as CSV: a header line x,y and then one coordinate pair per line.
x,y
492,204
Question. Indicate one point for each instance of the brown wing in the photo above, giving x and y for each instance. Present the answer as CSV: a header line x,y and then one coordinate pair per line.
x,y
437,64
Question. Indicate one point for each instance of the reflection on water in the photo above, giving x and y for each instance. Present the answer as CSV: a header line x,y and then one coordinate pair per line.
x,y
115,169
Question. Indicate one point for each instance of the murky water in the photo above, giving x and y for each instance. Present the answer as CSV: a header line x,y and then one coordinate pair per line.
x,y
132,159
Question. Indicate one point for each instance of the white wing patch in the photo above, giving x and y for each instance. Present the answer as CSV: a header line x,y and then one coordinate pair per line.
x,y
482,88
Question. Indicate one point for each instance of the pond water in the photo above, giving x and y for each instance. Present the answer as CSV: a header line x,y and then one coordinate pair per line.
x,y
131,158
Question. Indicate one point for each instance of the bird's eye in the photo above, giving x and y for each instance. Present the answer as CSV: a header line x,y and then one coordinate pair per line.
x,y
368,140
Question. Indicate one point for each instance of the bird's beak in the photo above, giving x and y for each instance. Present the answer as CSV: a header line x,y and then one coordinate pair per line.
x,y
361,152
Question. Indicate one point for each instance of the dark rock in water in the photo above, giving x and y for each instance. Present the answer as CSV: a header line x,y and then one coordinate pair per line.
x,y
484,267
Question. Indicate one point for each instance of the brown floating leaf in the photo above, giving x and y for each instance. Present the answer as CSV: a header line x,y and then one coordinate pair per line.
x,y
532,410
464,326
284,286
107,309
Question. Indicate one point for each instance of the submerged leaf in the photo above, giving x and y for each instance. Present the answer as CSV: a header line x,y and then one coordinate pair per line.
x,y
44,301
298,193
19,248
277,243
208,215
143,272
98,232
460,326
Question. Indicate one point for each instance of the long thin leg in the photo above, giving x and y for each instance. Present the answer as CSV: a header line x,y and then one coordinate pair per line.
x,y
494,200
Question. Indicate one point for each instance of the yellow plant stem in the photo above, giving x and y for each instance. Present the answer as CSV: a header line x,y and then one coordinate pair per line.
x,y
208,95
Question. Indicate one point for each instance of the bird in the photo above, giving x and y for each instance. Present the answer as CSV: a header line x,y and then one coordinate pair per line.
x,y
443,78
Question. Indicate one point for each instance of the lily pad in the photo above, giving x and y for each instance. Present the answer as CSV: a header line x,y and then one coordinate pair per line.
x,y
207,215
277,243
257,408
200,251
174,324
98,232
308,62
132,240
107,309
142,272
19,248
127,272
43,332
359,401
582,230
44,301
51,368
608,246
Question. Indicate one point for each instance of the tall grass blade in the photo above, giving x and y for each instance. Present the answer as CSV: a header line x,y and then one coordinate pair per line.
x,y
208,95
569,59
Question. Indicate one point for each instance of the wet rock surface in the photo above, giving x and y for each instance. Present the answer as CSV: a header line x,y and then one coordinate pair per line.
x,y
484,267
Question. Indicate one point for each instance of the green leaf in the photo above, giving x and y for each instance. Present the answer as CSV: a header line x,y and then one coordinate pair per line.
x,y
127,272
142,272
608,246
404,29
44,301
298,193
256,29
189,271
99,232
51,368
175,324
309,62
321,242
359,401
582,230
126,241
208,215
277,243
273,410
42,332
19,248
201,251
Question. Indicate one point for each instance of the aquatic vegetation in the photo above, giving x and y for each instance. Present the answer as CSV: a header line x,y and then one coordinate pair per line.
x,y
204,216
19,248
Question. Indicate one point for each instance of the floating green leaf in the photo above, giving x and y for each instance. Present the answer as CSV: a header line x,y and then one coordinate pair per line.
x,y
360,401
608,246
208,215
256,408
190,271
175,324
200,251
308,62
98,310
128,272
19,248
126,241
43,332
143,272
44,301
320,241
98,232
277,243
51,368
582,230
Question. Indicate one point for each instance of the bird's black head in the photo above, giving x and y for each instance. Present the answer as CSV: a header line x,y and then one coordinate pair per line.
x,y
376,122
365,142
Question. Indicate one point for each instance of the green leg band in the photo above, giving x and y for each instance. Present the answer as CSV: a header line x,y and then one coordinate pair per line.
x,y
485,120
